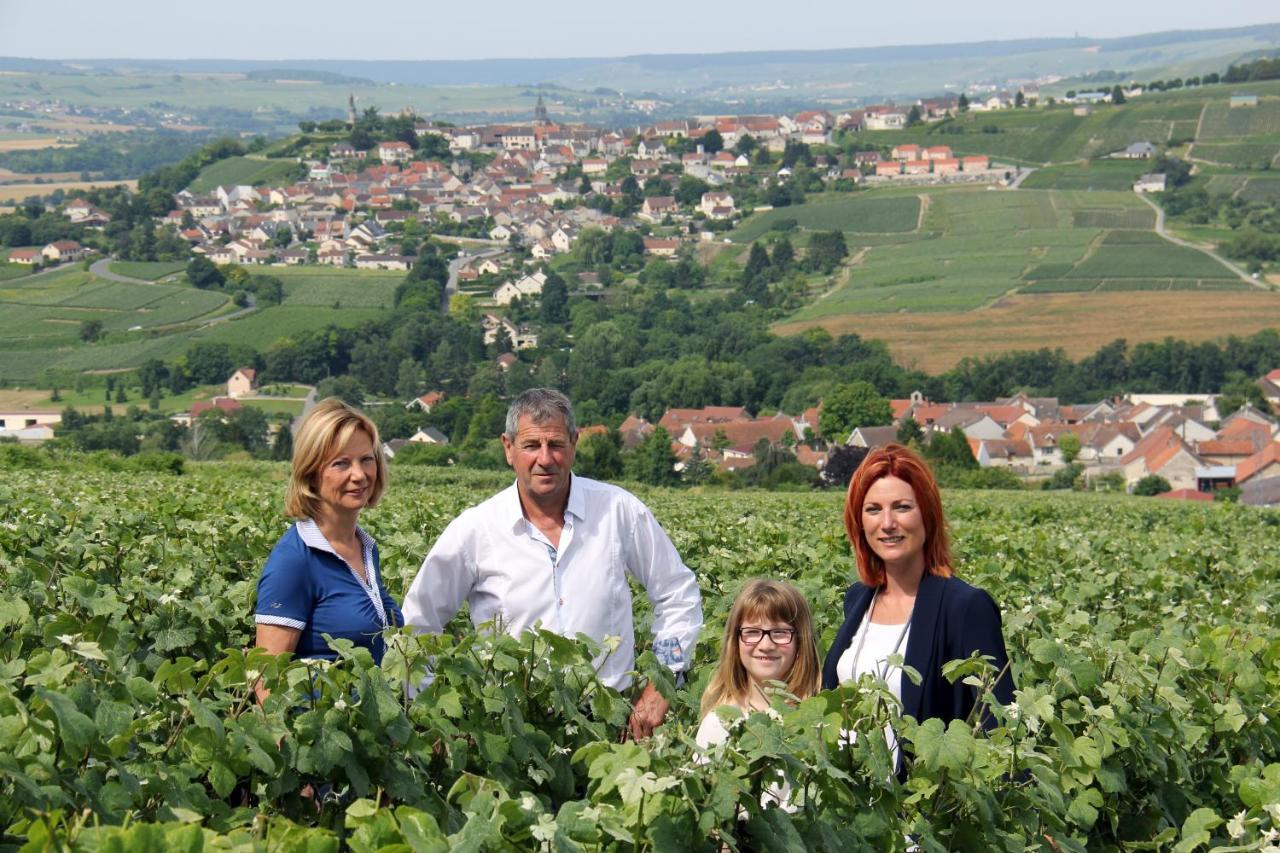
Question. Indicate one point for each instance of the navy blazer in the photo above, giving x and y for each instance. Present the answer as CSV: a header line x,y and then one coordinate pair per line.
x,y
951,620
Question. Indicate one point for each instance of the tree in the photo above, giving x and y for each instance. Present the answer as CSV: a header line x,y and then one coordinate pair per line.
x,y
204,274
1151,485
841,465
950,449
757,268
346,388
913,116
1019,100
652,461
1069,446
783,256
712,141
962,104
599,456
90,330
1238,390
908,431
827,249
697,470
555,299
1117,94
851,406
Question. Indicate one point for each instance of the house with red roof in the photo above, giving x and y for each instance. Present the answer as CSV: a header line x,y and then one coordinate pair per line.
x,y
242,383
1161,452
1263,465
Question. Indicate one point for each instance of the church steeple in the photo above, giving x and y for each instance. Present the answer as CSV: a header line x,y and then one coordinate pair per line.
x,y
540,111
351,109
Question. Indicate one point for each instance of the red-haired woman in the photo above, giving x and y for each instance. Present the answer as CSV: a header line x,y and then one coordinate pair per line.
x,y
906,601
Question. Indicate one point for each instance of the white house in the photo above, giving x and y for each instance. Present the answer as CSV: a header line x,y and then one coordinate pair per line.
x,y
242,383
530,285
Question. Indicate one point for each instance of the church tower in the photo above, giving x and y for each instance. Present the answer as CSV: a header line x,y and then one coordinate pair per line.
x,y
351,109
540,111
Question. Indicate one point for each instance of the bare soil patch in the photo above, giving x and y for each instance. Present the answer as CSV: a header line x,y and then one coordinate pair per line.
x,y
1079,323
17,192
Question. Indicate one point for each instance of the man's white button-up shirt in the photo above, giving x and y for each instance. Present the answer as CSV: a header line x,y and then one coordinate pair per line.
x,y
494,559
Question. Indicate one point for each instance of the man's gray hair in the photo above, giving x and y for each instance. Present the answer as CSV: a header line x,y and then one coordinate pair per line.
x,y
541,405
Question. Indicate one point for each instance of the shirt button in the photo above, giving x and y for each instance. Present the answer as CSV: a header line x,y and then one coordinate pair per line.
x,y
562,602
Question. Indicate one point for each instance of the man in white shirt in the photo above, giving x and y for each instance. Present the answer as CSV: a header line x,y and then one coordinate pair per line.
x,y
555,549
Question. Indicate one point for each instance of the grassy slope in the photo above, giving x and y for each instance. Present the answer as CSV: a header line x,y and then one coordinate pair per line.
x,y
242,170
40,317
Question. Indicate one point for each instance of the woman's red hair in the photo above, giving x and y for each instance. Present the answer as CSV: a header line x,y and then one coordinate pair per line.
x,y
894,460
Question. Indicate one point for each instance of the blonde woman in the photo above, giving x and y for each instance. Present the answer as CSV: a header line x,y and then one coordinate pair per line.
x,y
322,576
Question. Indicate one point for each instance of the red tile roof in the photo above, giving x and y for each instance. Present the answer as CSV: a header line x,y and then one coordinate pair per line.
x,y
1187,495
1258,462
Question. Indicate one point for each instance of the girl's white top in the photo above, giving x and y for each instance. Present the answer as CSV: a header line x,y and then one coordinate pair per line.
x,y
712,733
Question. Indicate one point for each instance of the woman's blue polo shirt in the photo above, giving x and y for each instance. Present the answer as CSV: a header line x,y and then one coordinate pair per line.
x,y
307,586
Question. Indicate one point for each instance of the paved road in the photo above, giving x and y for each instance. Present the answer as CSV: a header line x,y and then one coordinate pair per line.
x,y
102,269
1244,276
451,286
1021,176
307,405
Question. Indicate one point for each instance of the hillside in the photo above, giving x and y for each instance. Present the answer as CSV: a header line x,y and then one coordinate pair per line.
x,y
1237,138
41,316
889,70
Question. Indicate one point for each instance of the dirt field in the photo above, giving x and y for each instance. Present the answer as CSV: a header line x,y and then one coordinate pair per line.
x,y
35,143
1078,323
7,177
17,192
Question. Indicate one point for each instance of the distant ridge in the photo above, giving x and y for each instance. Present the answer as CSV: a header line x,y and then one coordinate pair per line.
x,y
515,72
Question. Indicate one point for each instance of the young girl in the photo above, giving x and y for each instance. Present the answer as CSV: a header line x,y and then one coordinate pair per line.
x,y
769,637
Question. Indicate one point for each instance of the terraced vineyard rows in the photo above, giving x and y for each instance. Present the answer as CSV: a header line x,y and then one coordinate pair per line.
x,y
1144,637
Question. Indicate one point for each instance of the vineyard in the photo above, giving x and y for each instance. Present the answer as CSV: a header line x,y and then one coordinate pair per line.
x,y
1144,638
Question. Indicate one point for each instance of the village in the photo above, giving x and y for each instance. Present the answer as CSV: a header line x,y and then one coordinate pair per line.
x,y
1114,444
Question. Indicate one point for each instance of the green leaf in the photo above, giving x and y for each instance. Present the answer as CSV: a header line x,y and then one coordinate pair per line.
x,y
1195,829
937,748
1083,810
76,730
221,778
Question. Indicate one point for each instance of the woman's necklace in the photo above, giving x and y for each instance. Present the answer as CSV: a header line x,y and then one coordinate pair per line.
x,y
866,629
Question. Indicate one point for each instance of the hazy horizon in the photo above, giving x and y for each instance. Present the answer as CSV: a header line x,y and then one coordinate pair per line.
x,y
150,30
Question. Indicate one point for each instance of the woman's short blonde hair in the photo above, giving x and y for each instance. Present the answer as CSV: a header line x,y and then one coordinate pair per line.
x,y
326,430
776,601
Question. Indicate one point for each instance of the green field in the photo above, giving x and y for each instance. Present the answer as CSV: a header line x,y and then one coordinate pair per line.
x,y
859,214
1093,175
317,286
243,170
985,244
40,317
263,328
1054,135
1141,635
147,270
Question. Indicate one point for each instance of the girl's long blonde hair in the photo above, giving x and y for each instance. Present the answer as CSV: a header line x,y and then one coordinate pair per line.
x,y
776,601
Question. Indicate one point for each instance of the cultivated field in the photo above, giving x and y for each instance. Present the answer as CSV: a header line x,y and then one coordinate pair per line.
x,y
320,287
18,192
1076,323
856,215
1002,271
1056,135
242,170
147,270
1141,637
41,316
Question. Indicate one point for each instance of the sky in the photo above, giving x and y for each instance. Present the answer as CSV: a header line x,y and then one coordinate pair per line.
x,y
430,29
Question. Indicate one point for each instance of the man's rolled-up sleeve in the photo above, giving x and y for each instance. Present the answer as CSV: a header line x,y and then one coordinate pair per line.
x,y
443,583
671,587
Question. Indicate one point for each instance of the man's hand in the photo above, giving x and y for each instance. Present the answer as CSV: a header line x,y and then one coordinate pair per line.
x,y
649,712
